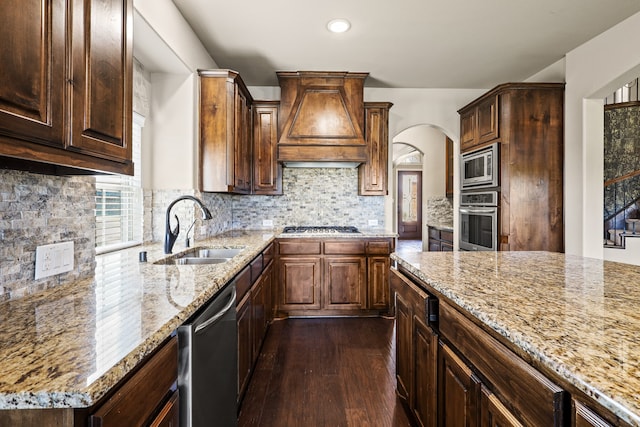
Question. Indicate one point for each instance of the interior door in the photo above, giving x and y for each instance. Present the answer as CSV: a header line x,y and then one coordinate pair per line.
x,y
410,205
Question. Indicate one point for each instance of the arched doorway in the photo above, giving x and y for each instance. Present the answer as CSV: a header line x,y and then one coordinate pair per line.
x,y
421,148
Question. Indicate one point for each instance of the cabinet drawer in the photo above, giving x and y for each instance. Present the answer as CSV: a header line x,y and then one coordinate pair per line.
x,y
135,401
535,398
243,283
383,247
344,248
267,255
169,415
291,247
447,236
256,268
434,233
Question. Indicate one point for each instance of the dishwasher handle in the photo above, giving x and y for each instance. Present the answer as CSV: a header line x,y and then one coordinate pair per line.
x,y
213,319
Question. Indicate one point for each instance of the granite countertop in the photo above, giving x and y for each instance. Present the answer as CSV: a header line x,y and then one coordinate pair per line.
x,y
362,234
441,226
67,346
573,316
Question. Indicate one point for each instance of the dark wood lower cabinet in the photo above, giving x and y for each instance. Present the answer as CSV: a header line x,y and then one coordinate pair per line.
x,y
253,314
403,347
454,373
378,282
320,277
416,351
458,391
494,413
245,343
345,283
299,283
583,416
135,401
169,416
425,343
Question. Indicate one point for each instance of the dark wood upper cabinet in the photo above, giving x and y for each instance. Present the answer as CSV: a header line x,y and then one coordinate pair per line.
x,y
65,95
225,131
449,167
33,71
321,116
479,124
101,78
267,172
373,175
526,120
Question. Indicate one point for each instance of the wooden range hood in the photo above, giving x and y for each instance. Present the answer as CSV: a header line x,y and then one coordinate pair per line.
x,y
321,117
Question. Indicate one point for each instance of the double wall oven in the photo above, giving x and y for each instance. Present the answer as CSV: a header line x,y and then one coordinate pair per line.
x,y
479,198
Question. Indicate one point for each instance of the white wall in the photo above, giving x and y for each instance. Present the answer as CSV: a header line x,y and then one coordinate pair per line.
x,y
431,141
172,129
593,70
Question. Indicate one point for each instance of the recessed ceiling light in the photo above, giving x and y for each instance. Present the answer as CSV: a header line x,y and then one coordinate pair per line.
x,y
338,25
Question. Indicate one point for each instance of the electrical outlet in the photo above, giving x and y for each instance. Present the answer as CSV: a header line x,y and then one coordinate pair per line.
x,y
54,259
267,223
373,222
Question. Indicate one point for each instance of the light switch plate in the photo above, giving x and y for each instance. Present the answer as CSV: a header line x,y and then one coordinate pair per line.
x,y
373,222
54,259
267,223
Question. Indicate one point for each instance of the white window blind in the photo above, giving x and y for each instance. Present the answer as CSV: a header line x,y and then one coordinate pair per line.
x,y
119,202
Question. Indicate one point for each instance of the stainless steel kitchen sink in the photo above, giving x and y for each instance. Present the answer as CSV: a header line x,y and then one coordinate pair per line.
x,y
199,256
197,260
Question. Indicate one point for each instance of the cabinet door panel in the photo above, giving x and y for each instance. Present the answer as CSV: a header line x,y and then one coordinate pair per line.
x,y
378,279
33,71
102,75
169,416
259,315
403,346
538,400
494,413
242,151
488,128
585,417
245,343
267,172
300,283
424,404
372,175
468,130
345,284
137,399
459,391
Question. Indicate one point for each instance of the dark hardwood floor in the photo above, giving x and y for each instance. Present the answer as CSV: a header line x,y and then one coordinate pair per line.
x,y
325,372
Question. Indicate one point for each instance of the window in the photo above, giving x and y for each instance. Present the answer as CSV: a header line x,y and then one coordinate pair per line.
x,y
119,202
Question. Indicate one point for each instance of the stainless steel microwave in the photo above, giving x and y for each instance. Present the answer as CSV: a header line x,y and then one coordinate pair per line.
x,y
479,169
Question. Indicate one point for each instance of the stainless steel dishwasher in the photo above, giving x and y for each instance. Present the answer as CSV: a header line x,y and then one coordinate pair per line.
x,y
208,364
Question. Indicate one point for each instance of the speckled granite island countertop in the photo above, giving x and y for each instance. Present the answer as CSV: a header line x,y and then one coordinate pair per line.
x,y
66,347
578,318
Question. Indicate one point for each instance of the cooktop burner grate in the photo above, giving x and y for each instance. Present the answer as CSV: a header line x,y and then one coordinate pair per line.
x,y
320,229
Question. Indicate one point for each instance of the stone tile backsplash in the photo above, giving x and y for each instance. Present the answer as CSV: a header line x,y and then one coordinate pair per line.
x,y
39,210
312,196
439,211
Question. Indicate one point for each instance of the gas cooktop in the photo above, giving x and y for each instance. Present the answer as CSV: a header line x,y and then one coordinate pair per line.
x,y
320,229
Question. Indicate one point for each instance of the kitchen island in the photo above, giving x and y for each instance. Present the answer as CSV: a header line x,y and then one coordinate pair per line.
x,y
573,319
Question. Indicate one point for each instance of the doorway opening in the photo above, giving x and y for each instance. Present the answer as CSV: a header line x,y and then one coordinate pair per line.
x,y
410,205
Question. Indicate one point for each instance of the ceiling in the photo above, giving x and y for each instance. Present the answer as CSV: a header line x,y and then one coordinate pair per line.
x,y
401,43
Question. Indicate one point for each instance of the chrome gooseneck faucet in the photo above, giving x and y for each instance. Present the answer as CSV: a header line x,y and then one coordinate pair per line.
x,y
170,235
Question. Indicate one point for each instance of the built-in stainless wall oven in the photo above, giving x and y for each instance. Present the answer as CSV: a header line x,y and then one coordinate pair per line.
x,y
479,169
479,221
